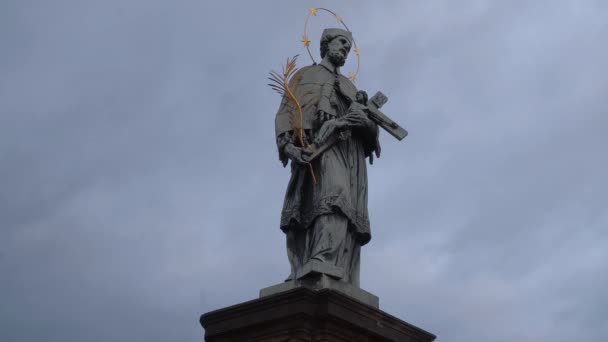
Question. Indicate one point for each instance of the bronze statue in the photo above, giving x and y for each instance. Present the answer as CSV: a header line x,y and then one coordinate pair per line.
x,y
325,216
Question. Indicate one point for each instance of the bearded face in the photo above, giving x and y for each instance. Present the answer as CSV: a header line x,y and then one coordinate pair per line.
x,y
337,50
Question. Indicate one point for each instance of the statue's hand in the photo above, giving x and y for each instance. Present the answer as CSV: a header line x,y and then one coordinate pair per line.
x,y
356,117
296,154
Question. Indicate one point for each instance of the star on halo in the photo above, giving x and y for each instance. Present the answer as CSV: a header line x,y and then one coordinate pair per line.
x,y
305,40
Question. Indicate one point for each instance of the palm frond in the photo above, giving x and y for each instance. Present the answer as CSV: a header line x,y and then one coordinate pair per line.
x,y
280,84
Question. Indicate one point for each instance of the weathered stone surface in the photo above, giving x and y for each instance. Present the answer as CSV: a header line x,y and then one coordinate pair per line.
x,y
302,314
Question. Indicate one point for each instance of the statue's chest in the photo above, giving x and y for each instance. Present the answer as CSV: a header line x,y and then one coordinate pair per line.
x,y
334,100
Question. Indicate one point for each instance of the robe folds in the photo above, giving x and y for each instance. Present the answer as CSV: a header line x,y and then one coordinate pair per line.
x,y
341,171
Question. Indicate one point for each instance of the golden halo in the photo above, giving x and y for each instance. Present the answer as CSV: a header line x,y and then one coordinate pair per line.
x,y
313,11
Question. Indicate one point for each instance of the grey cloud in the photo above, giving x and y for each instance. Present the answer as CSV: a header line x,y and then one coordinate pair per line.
x,y
141,186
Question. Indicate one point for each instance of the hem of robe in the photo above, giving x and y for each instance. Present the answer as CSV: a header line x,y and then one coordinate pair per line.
x,y
293,219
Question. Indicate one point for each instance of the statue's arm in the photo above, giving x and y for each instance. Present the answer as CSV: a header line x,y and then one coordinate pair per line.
x,y
283,140
368,130
289,151
355,119
288,145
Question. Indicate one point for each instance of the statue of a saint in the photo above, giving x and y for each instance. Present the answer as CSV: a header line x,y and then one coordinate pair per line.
x,y
327,222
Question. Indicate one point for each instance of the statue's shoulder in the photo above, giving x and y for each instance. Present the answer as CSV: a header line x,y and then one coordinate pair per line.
x,y
313,74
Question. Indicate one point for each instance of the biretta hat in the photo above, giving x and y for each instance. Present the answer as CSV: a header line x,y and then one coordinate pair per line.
x,y
331,33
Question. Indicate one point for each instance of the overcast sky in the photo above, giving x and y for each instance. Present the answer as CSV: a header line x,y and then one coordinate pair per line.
x,y
140,185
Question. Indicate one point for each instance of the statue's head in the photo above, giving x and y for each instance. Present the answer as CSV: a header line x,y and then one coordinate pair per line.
x,y
335,45
361,97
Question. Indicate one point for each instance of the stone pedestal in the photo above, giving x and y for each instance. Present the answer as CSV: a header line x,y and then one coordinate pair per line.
x,y
306,315
317,281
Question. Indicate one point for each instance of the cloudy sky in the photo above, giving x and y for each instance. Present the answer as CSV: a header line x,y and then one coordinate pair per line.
x,y
140,185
